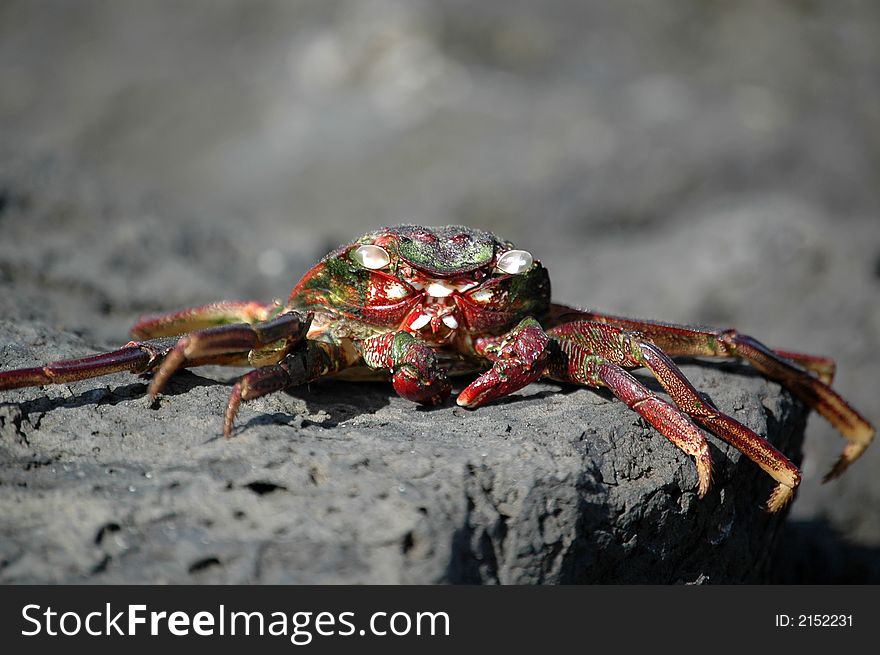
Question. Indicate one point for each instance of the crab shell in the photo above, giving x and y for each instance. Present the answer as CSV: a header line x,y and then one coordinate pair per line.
x,y
437,282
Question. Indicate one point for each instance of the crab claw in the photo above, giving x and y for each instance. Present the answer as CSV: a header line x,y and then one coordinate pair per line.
x,y
503,378
520,360
414,385
418,377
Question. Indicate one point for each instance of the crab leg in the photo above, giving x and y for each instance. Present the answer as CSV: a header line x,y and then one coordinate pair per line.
x,y
519,359
686,340
574,363
823,367
788,368
136,357
198,318
262,342
229,345
415,371
308,361
629,350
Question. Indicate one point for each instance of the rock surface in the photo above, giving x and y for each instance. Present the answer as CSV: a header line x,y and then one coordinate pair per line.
x,y
347,483
705,163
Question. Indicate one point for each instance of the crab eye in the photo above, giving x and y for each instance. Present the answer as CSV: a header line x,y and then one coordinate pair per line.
x,y
515,261
372,257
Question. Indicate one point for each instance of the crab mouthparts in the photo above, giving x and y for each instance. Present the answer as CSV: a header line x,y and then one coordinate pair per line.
x,y
439,289
434,318
436,321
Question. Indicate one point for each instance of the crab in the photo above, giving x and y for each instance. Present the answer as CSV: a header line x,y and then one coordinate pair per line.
x,y
417,304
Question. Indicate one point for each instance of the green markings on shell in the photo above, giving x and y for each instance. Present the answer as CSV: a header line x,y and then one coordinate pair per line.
x,y
712,342
336,282
529,293
399,346
446,250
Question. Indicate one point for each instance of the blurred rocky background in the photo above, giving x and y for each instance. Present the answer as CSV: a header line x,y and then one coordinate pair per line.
x,y
693,161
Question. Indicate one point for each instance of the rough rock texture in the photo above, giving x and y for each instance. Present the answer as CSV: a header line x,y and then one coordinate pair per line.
x,y
345,482
707,163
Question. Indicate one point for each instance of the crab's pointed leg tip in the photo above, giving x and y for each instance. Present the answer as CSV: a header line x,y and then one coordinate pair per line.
x,y
703,486
779,498
704,472
837,470
850,454
232,409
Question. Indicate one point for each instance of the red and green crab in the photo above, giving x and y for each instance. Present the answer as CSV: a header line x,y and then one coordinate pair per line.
x,y
417,304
